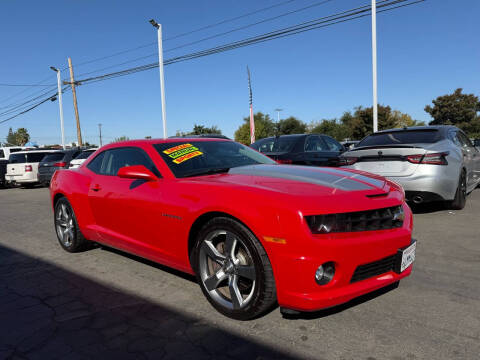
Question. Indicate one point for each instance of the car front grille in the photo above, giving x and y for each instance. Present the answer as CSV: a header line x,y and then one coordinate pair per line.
x,y
372,269
379,219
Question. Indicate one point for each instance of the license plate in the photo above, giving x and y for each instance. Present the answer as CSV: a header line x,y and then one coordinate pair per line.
x,y
406,257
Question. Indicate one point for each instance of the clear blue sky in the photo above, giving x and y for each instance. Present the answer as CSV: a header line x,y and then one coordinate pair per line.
x,y
424,51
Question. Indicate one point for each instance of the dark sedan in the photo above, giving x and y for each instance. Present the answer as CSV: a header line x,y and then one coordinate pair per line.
x,y
301,149
54,161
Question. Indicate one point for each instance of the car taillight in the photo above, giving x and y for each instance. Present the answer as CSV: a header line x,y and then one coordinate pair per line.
x,y
28,168
432,159
285,161
60,164
343,161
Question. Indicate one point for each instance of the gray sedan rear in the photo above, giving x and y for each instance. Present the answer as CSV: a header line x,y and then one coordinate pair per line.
x,y
430,162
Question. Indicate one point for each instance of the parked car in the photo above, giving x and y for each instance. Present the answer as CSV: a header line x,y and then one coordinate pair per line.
x,y
301,149
59,159
432,163
81,157
253,231
4,154
22,167
476,143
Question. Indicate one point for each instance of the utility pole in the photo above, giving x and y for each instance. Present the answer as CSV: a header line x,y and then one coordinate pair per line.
x,y
74,93
60,103
252,120
162,79
374,65
100,133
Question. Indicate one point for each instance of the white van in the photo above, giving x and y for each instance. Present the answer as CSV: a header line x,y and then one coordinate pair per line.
x,y
22,167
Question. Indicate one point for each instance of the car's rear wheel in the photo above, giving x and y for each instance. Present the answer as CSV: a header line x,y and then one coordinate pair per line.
x,y
458,203
233,269
66,227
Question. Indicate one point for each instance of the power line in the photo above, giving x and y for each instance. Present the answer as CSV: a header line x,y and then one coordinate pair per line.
x,y
26,85
330,20
185,33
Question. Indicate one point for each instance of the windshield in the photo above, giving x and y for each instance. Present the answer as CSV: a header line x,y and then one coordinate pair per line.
x,y
401,137
202,157
276,144
84,154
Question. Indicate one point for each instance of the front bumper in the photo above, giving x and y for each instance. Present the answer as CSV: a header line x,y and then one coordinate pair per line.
x,y
295,268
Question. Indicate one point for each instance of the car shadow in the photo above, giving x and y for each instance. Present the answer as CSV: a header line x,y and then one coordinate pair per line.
x,y
428,208
49,312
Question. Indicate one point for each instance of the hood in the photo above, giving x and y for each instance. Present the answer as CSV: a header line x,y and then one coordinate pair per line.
x,y
300,180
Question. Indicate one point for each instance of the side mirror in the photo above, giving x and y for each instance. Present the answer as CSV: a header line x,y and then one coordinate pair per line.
x,y
138,172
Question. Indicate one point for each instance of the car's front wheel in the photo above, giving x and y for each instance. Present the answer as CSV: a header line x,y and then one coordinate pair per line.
x,y
66,227
233,269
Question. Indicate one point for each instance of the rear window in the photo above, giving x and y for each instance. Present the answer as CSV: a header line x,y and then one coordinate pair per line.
x,y
53,157
35,157
401,138
2,154
17,159
84,154
278,144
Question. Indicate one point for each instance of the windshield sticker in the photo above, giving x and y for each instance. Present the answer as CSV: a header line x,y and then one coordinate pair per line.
x,y
187,157
182,153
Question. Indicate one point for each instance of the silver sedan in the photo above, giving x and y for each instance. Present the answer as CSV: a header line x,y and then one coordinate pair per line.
x,y
430,162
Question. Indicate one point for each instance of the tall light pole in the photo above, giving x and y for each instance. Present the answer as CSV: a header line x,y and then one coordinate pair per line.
x,y
374,65
162,79
60,104
100,133
278,114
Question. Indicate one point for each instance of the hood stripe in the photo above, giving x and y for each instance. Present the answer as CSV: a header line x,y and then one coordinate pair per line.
x,y
342,180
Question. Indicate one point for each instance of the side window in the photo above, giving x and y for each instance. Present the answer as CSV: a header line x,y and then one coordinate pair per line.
x,y
332,144
266,146
2,154
464,141
314,143
120,157
96,164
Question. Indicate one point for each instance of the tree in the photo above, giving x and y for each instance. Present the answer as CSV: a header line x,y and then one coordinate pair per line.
x,y
290,125
199,130
11,139
264,127
456,109
22,136
121,138
404,120
333,128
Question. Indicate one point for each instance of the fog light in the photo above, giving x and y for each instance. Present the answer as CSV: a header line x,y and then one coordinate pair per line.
x,y
324,273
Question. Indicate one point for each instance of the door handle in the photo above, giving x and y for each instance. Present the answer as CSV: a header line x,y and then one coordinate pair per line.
x,y
96,187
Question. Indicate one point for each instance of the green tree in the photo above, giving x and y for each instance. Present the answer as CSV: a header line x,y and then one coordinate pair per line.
x,y
22,136
264,127
121,138
200,130
456,109
404,120
333,128
11,139
290,125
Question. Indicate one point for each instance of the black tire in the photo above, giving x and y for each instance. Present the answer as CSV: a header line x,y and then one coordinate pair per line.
x,y
66,226
458,203
248,253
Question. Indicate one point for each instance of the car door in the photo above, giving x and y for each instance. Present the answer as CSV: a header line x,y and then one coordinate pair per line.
x,y
127,212
316,151
470,158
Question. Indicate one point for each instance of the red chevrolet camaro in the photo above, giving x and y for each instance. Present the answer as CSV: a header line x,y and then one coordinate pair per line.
x,y
254,232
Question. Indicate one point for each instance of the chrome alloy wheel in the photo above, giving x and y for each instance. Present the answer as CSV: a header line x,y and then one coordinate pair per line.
x,y
227,269
65,225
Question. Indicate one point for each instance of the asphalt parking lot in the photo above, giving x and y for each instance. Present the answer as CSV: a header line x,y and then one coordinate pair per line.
x,y
105,304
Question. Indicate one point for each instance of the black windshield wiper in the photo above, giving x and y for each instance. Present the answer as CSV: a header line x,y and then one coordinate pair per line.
x,y
206,172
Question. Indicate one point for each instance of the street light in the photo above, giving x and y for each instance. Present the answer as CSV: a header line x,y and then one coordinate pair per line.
x,y
374,65
60,104
162,80
278,114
